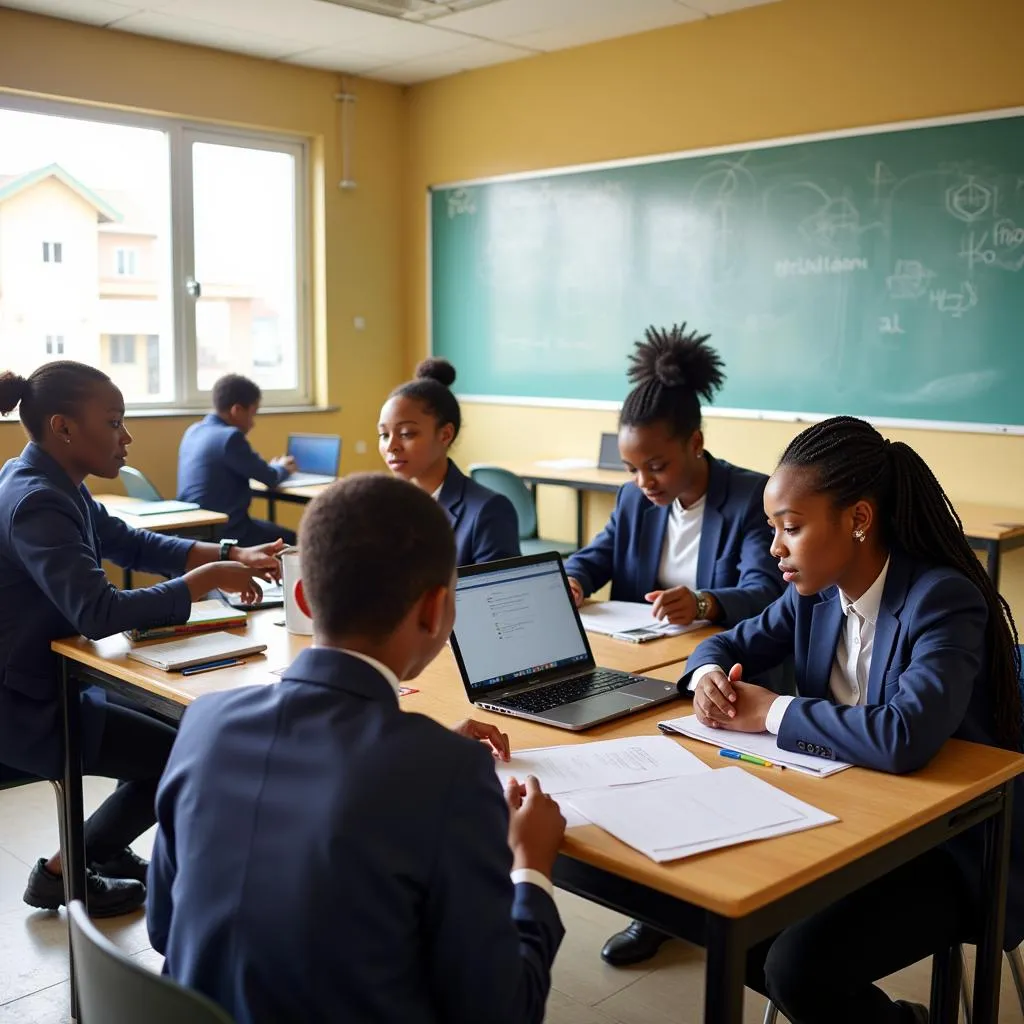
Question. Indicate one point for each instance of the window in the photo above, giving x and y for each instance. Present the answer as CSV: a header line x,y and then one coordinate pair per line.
x,y
189,251
126,262
122,349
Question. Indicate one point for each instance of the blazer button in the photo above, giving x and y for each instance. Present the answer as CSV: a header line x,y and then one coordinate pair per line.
x,y
800,745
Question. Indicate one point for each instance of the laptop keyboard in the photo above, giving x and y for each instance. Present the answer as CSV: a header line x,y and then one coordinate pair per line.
x,y
544,699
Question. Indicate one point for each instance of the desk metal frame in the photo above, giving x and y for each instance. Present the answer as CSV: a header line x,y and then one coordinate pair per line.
x,y
725,939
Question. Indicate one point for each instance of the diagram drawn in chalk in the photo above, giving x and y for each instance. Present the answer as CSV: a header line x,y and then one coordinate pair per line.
x,y
970,200
955,303
909,280
881,178
461,201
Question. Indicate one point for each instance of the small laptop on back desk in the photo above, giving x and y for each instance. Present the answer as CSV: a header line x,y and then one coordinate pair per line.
x,y
317,458
522,650
608,456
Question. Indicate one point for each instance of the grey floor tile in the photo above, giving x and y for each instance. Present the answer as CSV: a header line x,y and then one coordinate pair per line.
x,y
49,1006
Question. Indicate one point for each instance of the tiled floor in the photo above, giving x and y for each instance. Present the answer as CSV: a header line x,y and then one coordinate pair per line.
x,y
667,990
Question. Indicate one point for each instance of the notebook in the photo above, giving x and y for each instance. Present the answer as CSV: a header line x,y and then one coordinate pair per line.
x,y
152,508
195,650
205,617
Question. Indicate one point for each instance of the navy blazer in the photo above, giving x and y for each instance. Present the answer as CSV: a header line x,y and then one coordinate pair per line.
x,y
324,856
927,682
215,465
485,523
53,537
734,562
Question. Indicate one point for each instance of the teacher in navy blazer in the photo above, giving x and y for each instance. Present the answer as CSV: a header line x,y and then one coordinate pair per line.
x,y
900,641
53,538
688,535
418,424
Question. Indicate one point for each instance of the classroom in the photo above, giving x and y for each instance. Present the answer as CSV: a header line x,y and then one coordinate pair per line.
x,y
378,136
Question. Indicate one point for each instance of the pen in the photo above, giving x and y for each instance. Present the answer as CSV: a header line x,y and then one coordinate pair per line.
x,y
209,666
737,756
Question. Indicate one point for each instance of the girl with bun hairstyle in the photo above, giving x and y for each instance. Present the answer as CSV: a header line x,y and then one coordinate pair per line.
x,y
53,537
418,424
688,534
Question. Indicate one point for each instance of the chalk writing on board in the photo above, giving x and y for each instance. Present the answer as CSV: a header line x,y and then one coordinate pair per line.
x,y
890,325
955,303
811,266
1007,235
909,280
971,200
882,177
460,201
982,251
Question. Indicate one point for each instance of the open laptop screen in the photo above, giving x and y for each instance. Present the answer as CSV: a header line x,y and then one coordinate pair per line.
x,y
315,453
609,457
512,622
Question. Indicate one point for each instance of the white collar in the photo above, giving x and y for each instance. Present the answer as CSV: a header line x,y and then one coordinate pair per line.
x,y
867,605
379,666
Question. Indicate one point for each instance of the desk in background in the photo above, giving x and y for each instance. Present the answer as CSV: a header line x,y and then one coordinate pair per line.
x,y
290,495
199,523
726,900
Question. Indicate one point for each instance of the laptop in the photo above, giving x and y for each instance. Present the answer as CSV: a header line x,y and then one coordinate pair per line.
x,y
522,650
317,457
609,457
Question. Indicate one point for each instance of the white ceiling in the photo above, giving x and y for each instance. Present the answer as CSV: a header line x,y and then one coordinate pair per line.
x,y
325,35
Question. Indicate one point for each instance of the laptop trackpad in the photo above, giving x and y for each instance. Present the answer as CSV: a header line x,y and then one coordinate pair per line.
x,y
592,710
651,689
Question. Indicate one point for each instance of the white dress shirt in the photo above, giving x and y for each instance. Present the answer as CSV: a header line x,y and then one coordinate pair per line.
x,y
529,875
681,548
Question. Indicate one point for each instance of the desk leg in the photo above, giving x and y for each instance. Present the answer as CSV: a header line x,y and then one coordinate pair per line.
x,y
992,561
126,583
947,969
271,508
581,530
73,854
995,871
726,967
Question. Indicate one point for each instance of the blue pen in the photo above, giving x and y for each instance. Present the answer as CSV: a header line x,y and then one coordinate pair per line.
x,y
209,666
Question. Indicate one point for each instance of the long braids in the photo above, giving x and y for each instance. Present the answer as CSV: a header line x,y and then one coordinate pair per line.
x,y
853,461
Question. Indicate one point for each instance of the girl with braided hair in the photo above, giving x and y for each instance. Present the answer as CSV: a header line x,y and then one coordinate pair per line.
x,y
900,641
687,535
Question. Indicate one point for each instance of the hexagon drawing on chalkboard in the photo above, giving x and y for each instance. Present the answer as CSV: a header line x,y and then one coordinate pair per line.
x,y
831,221
969,201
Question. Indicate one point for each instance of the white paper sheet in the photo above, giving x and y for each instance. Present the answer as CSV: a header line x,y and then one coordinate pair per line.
x,y
603,763
682,816
760,744
618,616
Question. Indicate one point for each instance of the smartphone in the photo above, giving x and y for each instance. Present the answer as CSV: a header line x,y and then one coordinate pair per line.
x,y
640,635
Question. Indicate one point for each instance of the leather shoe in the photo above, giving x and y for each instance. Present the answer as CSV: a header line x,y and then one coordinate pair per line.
x,y
105,897
915,1012
633,945
126,864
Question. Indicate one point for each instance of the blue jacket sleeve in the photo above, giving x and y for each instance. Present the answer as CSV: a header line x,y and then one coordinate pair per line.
x,y
162,868
594,565
760,581
63,565
496,531
138,549
243,460
922,705
491,943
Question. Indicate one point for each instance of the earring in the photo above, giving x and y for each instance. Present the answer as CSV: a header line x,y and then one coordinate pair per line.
x,y
67,440
858,535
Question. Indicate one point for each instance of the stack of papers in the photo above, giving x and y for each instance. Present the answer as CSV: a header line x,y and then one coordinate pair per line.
x,y
760,744
610,617
195,650
204,617
680,817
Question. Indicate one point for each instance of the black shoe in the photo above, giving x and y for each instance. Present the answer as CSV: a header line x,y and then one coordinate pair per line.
x,y
633,945
915,1012
126,864
105,897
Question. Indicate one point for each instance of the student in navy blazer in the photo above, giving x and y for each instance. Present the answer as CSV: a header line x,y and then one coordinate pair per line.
x,y
418,424
688,535
323,855
900,642
53,537
216,462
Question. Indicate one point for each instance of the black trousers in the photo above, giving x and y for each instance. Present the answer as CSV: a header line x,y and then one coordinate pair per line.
x,y
134,750
822,970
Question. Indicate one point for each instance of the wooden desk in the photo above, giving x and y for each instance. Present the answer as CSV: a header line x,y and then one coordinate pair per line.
x,y
726,900
199,523
292,495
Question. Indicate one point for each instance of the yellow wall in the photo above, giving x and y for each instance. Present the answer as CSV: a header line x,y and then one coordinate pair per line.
x,y
358,255
786,68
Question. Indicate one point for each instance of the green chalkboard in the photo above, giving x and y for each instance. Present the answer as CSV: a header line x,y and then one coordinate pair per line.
x,y
879,274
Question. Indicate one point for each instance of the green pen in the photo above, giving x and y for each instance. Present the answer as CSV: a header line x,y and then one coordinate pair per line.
x,y
737,756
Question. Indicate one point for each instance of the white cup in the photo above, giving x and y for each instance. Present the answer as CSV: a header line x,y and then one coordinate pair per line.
x,y
296,618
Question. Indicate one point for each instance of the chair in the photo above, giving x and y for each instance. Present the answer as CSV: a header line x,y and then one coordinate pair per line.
x,y
137,484
114,990
12,778
503,482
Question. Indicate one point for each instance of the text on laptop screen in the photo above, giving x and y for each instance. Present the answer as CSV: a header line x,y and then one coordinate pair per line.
x,y
512,623
315,454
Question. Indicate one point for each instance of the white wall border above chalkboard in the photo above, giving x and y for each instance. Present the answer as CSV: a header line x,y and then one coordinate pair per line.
x,y
659,158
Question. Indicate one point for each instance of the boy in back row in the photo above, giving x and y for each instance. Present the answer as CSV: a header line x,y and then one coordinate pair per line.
x,y
323,855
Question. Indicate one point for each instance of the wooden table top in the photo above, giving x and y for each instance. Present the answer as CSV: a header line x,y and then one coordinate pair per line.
x,y
990,522
310,491
873,808
118,505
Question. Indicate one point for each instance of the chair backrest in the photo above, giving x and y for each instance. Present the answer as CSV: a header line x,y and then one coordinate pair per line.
x,y
503,482
137,484
114,990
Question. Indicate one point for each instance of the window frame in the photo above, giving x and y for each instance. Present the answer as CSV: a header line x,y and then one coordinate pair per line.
x,y
182,133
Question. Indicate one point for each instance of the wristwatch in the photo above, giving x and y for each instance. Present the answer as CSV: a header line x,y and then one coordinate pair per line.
x,y
229,542
703,605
